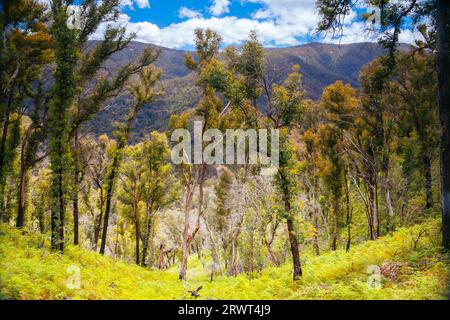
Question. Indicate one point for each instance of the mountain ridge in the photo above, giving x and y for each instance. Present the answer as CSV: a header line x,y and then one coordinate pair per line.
x,y
321,65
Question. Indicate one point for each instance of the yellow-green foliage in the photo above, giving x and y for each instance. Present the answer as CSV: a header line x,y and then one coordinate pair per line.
x,y
28,270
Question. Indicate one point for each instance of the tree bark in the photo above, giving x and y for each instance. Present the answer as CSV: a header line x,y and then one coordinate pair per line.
x,y
297,267
61,212
57,241
184,258
428,181
75,219
3,165
336,210
349,213
269,242
3,144
99,219
40,216
188,237
316,205
76,182
21,205
161,257
137,239
215,265
443,33
145,241
233,259
109,192
372,212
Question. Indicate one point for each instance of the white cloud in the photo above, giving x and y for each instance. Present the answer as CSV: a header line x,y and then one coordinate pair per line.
x,y
277,23
232,29
219,7
351,33
188,13
408,36
126,3
143,4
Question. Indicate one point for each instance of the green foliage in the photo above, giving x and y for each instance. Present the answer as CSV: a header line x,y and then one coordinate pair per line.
x,y
288,99
63,94
26,48
222,191
29,271
147,187
352,167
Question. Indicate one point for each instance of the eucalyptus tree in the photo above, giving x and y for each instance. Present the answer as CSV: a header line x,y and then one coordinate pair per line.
x,y
414,84
285,113
143,92
160,189
394,17
24,51
207,43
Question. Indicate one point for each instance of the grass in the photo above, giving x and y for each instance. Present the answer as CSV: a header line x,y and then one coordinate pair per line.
x,y
28,270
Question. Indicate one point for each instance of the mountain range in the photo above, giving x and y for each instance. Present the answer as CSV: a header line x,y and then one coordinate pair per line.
x,y
321,65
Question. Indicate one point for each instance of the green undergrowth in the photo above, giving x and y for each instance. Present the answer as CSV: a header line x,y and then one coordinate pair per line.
x,y
405,265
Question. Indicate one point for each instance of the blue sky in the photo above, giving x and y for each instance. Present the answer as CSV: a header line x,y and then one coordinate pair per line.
x,y
164,13
279,23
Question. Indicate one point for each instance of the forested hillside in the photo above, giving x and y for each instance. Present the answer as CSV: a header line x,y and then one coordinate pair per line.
x,y
322,65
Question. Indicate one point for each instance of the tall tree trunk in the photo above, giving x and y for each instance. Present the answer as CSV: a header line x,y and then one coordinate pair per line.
x,y
215,265
137,236
390,209
146,239
428,181
111,179
21,205
268,242
387,182
64,88
10,93
316,212
109,192
4,137
372,212
116,245
336,210
297,267
443,32
54,220
187,240
377,211
57,214
3,167
76,182
272,255
75,219
233,258
349,212
161,257
316,233
98,220
188,237
24,167
61,211
40,216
